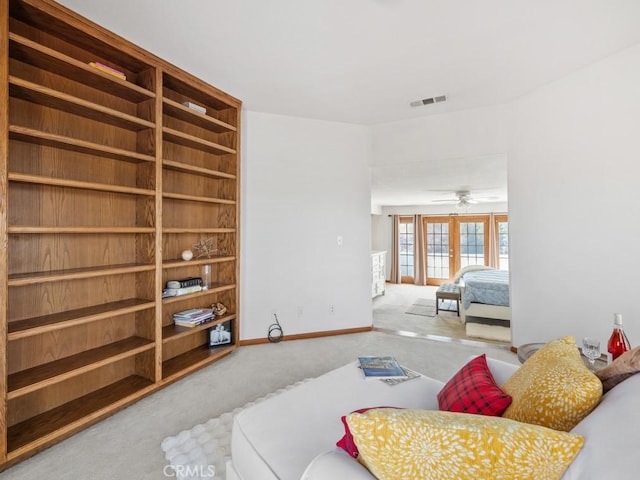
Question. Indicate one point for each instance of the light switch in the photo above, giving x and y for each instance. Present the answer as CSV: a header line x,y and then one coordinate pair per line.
x,y
339,240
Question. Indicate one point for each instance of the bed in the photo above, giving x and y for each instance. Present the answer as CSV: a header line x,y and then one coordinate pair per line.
x,y
485,306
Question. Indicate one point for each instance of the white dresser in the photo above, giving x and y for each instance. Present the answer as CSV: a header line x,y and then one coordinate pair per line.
x,y
378,273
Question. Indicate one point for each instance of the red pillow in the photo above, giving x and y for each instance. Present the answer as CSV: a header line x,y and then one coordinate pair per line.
x,y
346,442
473,390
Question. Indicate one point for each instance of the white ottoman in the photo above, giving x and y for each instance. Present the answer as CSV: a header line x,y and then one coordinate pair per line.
x,y
277,439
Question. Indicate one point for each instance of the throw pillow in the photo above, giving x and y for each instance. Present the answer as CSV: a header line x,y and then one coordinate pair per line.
x,y
553,388
473,390
427,444
346,442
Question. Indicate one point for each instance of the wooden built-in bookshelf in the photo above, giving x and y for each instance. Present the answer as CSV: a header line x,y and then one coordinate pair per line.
x,y
103,183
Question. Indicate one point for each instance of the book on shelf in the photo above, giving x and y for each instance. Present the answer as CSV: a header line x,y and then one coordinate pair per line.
x,y
192,323
107,69
176,292
193,313
193,317
185,282
381,367
195,107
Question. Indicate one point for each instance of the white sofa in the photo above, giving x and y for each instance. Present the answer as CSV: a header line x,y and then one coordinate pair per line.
x,y
292,436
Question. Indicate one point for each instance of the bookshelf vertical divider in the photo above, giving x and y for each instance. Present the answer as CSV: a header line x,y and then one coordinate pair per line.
x,y
106,176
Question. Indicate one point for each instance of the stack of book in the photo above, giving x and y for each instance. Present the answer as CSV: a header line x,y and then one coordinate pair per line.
x,y
175,288
193,317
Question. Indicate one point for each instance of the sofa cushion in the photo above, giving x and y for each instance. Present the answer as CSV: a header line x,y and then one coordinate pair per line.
x,y
473,390
400,444
553,388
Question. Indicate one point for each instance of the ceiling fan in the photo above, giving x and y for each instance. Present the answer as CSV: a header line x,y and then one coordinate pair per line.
x,y
463,200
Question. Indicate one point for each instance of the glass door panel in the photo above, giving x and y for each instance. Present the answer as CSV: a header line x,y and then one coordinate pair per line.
x,y
406,249
472,243
438,250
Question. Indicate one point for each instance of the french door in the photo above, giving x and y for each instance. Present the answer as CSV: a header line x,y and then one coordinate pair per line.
x,y
452,243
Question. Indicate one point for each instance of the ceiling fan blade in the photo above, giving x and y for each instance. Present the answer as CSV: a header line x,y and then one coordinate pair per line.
x,y
448,200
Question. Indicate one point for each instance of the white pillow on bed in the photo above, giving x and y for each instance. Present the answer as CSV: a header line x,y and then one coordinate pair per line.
x,y
469,268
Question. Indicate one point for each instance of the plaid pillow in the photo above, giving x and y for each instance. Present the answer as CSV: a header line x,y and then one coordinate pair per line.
x,y
473,390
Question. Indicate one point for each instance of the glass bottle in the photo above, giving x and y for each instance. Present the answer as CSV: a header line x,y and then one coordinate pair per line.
x,y
618,342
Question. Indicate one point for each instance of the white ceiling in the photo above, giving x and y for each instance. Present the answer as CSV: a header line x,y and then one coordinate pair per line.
x,y
363,61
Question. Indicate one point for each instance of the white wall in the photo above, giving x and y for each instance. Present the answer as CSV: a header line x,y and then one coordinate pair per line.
x,y
467,133
304,182
574,204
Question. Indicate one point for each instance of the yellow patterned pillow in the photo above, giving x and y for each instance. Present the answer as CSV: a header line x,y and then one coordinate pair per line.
x,y
553,388
428,444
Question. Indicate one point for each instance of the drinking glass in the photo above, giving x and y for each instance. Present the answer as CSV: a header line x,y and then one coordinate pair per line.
x,y
591,349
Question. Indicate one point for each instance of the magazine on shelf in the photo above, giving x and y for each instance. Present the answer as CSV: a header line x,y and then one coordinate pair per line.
x,y
381,367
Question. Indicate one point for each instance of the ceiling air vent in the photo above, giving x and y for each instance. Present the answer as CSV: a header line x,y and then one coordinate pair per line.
x,y
428,101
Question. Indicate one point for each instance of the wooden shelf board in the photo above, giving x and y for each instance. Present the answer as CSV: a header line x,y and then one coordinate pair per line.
x,y
32,379
195,198
23,279
77,230
183,167
214,288
177,110
192,360
38,325
30,135
50,60
74,414
190,141
174,332
60,182
61,101
178,263
197,230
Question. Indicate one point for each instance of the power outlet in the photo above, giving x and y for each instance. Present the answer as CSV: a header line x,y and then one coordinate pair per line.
x,y
332,309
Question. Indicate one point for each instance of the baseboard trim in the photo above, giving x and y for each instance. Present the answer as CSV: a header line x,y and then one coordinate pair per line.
x,y
301,336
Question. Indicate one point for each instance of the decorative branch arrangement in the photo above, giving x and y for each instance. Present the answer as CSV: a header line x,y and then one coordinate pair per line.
x,y
204,248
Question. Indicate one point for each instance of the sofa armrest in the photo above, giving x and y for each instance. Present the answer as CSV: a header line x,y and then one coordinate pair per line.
x,y
335,464
500,370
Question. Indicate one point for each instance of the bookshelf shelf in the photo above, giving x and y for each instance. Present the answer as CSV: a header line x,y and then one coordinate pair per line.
x,y
192,360
175,332
104,181
172,165
47,323
186,114
58,141
73,415
214,288
21,280
38,180
45,96
55,62
27,381
191,141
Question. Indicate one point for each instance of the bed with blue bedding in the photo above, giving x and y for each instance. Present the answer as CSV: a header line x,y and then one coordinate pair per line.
x,y
490,287
485,307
